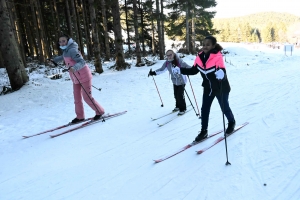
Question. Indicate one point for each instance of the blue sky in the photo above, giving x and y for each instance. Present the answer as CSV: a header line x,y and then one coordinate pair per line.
x,y
235,8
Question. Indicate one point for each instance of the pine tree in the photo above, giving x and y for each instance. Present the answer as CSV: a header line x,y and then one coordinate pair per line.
x,y
190,18
96,44
226,33
12,58
120,60
137,35
266,34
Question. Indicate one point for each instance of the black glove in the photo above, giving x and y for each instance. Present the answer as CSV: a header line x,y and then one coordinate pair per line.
x,y
53,62
66,70
152,73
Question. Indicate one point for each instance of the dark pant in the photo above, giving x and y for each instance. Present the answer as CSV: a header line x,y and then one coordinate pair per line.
x,y
206,104
179,97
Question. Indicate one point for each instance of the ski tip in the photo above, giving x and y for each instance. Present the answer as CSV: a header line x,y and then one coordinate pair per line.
x,y
24,137
245,123
239,127
199,152
157,161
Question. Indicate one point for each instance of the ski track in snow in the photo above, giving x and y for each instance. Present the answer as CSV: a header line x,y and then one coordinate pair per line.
x,y
114,159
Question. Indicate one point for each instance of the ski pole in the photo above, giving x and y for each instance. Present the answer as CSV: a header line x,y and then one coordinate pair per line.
x,y
64,70
194,97
191,102
180,77
221,91
87,94
162,104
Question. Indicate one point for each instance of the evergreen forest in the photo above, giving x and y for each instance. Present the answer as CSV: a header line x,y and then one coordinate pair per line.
x,y
30,30
265,27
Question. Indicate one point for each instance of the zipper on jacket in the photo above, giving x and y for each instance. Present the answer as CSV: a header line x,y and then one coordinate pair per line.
x,y
204,64
176,77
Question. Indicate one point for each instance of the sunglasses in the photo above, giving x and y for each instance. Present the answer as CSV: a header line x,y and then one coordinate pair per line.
x,y
169,55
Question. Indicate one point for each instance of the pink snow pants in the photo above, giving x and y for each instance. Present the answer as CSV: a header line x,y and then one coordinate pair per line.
x,y
79,93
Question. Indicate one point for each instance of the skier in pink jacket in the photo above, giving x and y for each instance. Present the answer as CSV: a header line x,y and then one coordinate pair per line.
x,y
209,62
78,69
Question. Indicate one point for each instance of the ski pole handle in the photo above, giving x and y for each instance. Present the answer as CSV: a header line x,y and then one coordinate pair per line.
x,y
65,70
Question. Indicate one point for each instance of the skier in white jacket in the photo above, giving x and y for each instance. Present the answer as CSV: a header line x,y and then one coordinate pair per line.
x,y
178,80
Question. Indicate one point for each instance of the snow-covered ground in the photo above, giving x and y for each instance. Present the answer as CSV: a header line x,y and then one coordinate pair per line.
x,y
113,160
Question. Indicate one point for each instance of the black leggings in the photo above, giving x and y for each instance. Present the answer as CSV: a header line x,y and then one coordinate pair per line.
x,y
179,97
206,104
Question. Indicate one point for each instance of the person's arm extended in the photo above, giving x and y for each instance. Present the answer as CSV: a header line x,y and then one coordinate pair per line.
x,y
189,71
58,59
162,69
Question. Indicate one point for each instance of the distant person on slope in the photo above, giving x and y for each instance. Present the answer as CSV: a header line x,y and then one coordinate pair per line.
x,y
178,80
209,62
78,68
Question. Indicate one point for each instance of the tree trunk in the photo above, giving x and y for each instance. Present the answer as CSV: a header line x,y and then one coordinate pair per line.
x,y
85,28
23,40
37,34
42,26
137,35
74,22
12,17
142,29
153,32
80,35
162,24
56,18
96,44
106,38
187,28
127,28
120,61
69,22
1,62
9,50
17,28
54,25
32,50
88,37
193,35
56,28
161,54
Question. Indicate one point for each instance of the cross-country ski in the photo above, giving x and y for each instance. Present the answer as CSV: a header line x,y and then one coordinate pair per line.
x,y
54,129
170,113
85,122
88,123
171,119
221,138
186,147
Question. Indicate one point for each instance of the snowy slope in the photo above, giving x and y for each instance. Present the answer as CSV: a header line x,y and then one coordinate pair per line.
x,y
114,160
